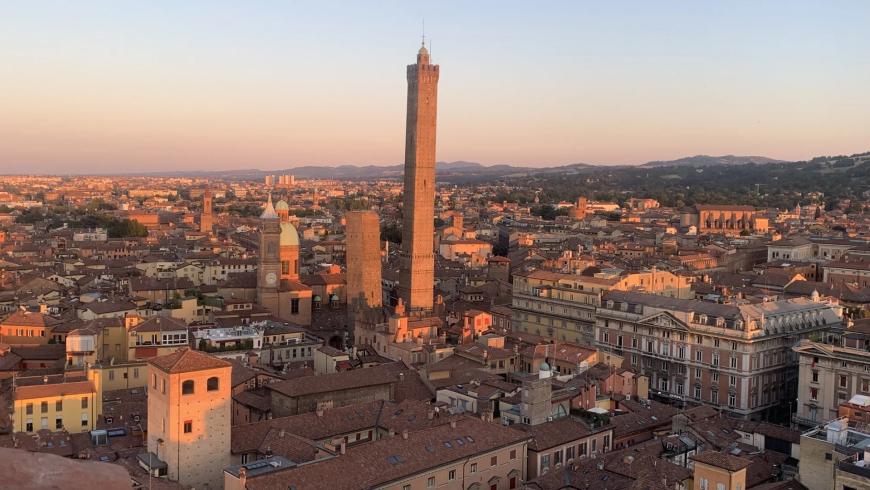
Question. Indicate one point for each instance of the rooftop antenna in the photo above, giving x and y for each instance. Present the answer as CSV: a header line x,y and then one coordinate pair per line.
x,y
423,37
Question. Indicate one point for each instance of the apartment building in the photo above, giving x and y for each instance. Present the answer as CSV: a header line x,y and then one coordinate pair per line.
x,y
829,376
737,358
53,403
468,453
562,306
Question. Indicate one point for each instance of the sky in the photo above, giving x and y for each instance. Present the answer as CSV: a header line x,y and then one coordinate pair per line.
x,y
105,86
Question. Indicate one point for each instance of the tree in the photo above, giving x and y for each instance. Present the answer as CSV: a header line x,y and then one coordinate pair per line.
x,y
391,233
127,228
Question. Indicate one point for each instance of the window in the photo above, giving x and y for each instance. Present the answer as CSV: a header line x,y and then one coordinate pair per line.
x,y
43,407
154,381
84,420
569,453
58,406
187,387
545,463
732,400
714,396
705,484
582,450
58,423
28,427
212,384
815,376
136,373
732,380
512,482
493,461
557,458
84,402
715,342
698,392
430,483
513,454
451,475
715,376
699,356
294,306
606,442
814,394
43,423
29,409
720,486
111,374
188,426
163,387
843,381
406,487
733,363
474,467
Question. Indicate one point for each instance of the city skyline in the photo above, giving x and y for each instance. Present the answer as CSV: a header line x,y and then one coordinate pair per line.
x,y
165,87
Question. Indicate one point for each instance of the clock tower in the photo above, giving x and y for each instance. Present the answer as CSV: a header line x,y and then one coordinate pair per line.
x,y
269,262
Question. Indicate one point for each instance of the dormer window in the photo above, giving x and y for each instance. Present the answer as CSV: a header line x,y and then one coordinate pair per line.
x,y
702,319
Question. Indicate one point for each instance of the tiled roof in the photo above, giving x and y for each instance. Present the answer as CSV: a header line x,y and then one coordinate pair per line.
x,y
30,319
722,460
377,375
55,389
391,459
187,360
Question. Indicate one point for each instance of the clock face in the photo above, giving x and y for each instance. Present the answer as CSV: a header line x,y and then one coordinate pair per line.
x,y
271,278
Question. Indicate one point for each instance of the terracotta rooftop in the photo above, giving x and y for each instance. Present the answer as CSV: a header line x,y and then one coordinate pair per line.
x,y
187,360
722,460
30,319
394,458
55,389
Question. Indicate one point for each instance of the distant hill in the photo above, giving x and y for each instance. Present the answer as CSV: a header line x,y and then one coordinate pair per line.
x,y
709,161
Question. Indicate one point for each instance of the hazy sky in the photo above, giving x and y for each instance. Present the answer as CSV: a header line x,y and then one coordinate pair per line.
x,y
150,85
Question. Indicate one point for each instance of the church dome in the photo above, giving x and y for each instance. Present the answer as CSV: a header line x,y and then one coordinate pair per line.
x,y
289,235
282,206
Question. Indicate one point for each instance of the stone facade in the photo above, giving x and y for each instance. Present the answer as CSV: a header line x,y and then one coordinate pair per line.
x,y
417,275
828,377
737,358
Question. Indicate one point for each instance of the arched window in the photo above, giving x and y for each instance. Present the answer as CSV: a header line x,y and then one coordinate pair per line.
x,y
187,387
212,384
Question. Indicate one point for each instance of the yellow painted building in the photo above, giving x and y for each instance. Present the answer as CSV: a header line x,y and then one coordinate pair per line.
x,y
54,406
719,471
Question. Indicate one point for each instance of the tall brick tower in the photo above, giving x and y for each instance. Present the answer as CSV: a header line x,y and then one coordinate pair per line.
x,y
363,260
206,219
417,275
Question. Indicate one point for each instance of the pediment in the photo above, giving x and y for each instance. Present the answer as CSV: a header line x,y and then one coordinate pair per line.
x,y
666,320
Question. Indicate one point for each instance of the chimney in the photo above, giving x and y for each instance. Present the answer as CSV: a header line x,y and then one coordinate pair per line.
x,y
45,379
342,448
430,414
405,434
319,411
281,433
243,476
392,432
453,424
